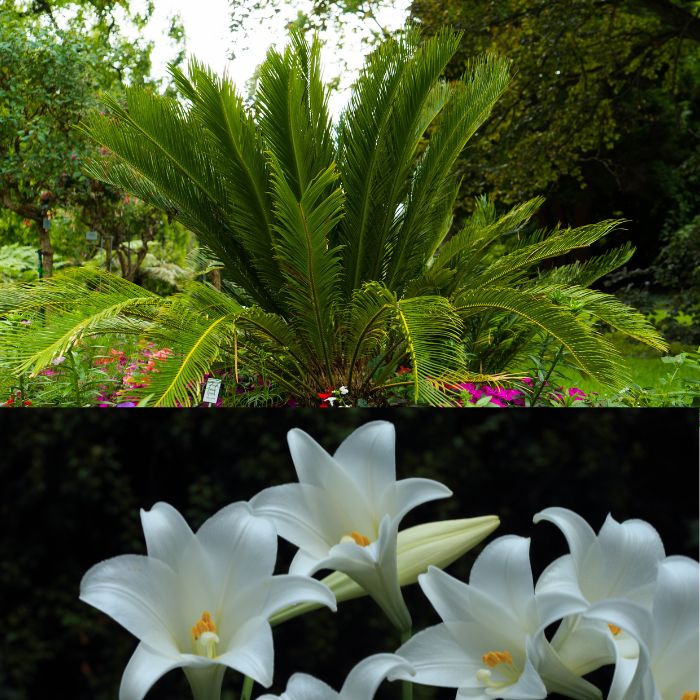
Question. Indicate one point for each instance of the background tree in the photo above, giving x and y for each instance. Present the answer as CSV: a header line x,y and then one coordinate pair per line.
x,y
602,112
50,77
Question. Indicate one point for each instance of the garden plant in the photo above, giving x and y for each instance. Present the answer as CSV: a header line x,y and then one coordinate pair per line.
x,y
207,601
335,245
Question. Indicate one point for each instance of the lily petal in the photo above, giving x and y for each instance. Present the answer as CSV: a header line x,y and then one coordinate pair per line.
x,y
235,534
579,534
438,659
302,686
364,679
375,569
282,591
166,532
582,644
503,571
139,593
303,515
368,456
557,677
623,562
409,493
251,651
145,667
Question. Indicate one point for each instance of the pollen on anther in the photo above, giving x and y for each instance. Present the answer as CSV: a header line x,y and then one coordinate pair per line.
x,y
357,538
204,624
614,629
690,695
493,658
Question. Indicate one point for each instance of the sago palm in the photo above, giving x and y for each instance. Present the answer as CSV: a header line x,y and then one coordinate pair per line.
x,y
334,245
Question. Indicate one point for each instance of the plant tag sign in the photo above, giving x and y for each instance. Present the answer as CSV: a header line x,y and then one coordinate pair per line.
x,y
91,236
211,390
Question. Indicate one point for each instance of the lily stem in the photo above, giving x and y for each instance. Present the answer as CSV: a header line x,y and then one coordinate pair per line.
x,y
406,686
247,689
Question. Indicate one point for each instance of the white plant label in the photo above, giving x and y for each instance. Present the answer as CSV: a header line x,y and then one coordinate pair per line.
x,y
211,390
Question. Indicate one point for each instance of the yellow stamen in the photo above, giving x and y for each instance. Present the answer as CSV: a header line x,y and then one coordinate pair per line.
x,y
493,658
357,538
690,695
204,636
204,624
614,629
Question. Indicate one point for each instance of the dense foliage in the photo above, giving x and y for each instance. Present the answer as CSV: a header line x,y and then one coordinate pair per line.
x,y
334,249
51,77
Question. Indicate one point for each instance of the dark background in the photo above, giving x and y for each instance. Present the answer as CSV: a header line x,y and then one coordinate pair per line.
x,y
73,482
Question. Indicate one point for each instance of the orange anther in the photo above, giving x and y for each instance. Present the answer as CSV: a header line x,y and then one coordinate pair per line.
x,y
204,624
359,538
493,658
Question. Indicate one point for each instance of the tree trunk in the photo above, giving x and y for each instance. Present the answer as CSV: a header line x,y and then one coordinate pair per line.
x,y
46,250
215,279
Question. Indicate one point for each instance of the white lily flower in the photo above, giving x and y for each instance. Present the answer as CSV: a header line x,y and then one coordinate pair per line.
x,y
200,601
430,544
491,642
361,683
667,667
345,511
620,562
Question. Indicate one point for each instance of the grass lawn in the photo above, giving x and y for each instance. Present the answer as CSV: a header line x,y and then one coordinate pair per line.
x,y
649,370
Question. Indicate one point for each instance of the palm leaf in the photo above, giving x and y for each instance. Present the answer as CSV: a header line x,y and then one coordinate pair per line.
x,y
311,270
291,104
470,104
394,101
591,352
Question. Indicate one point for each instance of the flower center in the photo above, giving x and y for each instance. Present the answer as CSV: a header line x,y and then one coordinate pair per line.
x,y
357,538
500,672
204,636
689,695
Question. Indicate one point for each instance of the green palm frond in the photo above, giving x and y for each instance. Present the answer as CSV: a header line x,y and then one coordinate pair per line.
x,y
394,101
292,108
608,309
587,272
513,265
469,105
466,249
589,350
237,152
61,310
311,270
432,331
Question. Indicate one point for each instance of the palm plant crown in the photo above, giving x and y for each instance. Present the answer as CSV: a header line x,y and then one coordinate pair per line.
x,y
333,244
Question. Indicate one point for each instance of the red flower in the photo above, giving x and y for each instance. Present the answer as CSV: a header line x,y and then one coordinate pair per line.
x,y
324,395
